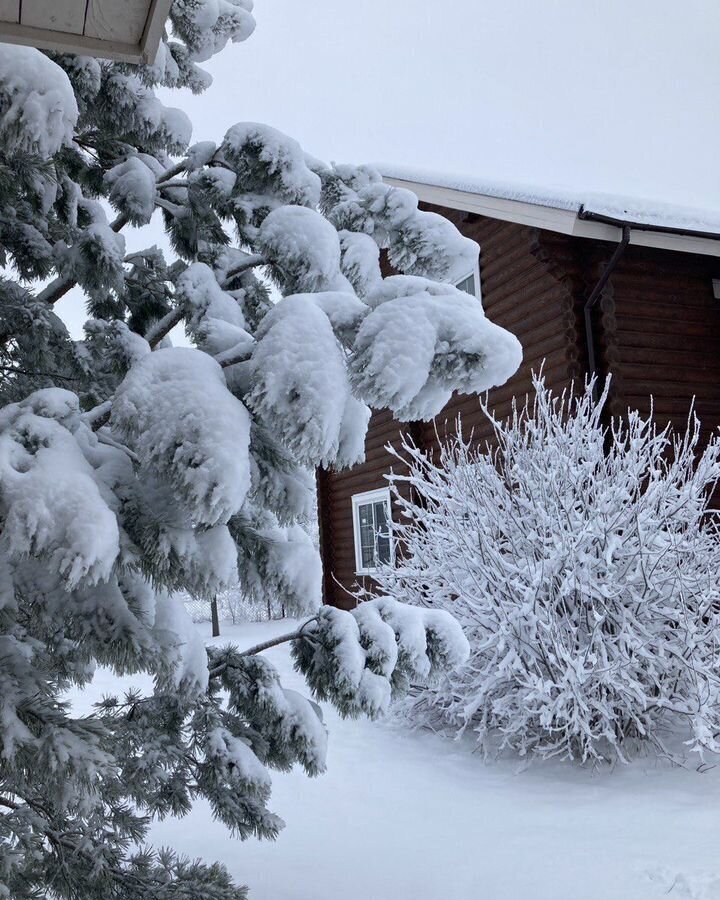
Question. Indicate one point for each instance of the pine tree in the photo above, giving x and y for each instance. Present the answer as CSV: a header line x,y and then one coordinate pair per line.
x,y
131,469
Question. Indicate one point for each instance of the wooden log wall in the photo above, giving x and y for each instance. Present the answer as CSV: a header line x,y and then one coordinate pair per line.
x,y
661,334
657,331
523,290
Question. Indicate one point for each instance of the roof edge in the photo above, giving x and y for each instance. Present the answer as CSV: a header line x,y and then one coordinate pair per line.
x,y
574,221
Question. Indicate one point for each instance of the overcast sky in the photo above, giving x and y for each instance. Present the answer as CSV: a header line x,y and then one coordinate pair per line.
x,y
620,96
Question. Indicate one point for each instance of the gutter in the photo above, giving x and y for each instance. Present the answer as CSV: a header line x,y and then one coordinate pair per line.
x,y
590,216
592,300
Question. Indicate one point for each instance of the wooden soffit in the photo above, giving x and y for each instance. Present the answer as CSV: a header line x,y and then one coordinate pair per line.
x,y
125,30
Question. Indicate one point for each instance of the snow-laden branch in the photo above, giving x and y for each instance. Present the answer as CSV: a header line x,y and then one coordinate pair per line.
x,y
57,289
267,645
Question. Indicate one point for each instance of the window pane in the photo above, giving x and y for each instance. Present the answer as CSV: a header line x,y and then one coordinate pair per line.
x,y
381,515
367,536
383,549
467,285
373,534
382,533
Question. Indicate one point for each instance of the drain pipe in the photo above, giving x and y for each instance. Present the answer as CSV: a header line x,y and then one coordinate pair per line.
x,y
595,296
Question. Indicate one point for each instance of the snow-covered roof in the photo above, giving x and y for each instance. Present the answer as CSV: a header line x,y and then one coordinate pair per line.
x,y
128,30
584,214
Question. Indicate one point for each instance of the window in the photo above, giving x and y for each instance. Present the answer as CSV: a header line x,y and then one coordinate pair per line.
x,y
471,283
371,529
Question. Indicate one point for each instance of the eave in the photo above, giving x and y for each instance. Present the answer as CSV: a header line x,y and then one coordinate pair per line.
x,y
563,221
122,30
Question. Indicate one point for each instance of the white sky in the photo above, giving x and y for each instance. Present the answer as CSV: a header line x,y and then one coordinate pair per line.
x,y
621,96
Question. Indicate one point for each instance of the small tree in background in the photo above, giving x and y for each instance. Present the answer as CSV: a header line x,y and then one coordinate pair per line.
x,y
131,470
583,565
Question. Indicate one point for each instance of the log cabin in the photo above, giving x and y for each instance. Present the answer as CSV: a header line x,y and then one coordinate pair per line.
x,y
587,284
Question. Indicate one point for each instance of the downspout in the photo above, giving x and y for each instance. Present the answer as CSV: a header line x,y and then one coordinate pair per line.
x,y
595,295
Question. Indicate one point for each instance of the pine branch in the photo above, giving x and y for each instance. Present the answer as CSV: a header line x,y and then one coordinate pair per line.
x,y
57,289
99,415
266,645
235,358
250,263
283,639
160,329
13,370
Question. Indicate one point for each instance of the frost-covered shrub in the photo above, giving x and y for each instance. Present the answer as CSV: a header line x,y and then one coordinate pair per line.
x,y
582,562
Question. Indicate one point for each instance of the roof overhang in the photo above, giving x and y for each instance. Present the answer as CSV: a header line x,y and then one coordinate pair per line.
x,y
123,30
563,221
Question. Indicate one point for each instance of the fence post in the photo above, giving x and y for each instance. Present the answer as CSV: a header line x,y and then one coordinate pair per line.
x,y
214,616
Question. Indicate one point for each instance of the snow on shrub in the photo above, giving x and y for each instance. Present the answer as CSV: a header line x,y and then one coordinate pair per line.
x,y
582,562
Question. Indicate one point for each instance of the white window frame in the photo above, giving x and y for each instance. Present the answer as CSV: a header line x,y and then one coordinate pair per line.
x,y
475,272
364,499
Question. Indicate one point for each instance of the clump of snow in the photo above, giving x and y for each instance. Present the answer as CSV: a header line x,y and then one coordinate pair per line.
x,y
96,258
303,249
297,564
52,505
353,429
413,351
238,761
283,563
183,647
132,189
207,557
218,181
214,318
117,340
176,411
418,242
199,155
207,25
261,155
302,723
360,261
342,637
299,379
38,110
359,659
291,725
377,638
344,311
148,116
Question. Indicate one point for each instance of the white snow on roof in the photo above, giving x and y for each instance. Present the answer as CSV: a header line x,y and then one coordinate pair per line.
x,y
632,209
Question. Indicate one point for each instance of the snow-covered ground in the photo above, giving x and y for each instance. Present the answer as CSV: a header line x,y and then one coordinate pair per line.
x,y
411,816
